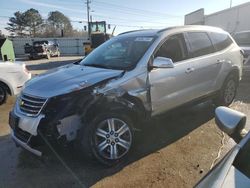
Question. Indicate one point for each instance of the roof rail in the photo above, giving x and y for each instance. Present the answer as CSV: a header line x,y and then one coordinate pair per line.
x,y
133,31
165,29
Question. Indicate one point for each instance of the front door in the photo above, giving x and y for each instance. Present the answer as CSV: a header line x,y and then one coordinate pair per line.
x,y
171,87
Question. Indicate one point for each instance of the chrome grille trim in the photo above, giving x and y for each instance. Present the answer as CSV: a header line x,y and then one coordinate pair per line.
x,y
31,105
37,102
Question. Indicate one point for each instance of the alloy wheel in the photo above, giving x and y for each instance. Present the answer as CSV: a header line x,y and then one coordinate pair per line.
x,y
112,138
230,91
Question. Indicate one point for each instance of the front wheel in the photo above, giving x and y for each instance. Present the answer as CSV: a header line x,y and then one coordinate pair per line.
x,y
3,94
108,138
228,91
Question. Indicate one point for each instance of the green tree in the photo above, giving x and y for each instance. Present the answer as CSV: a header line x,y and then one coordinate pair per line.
x,y
16,24
57,21
33,21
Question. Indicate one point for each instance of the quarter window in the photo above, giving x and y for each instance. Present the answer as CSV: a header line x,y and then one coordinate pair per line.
x,y
220,40
200,44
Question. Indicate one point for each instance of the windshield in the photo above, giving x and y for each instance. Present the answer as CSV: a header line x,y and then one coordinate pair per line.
x,y
242,38
121,53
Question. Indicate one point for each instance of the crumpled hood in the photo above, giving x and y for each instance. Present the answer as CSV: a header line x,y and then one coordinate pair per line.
x,y
67,78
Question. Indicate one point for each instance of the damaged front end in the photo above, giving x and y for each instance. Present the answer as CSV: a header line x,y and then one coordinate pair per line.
x,y
61,117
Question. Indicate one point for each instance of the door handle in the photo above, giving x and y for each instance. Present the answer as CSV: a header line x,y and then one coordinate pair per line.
x,y
220,61
189,70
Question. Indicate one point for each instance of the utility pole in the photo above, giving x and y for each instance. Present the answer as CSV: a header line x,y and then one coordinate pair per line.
x,y
88,8
231,2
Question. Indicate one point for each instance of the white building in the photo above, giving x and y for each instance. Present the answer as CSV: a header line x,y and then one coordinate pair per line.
x,y
232,20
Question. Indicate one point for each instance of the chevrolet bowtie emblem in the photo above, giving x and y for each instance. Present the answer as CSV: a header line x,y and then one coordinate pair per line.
x,y
21,103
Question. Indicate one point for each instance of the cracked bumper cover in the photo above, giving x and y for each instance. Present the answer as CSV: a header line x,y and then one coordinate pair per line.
x,y
25,145
29,125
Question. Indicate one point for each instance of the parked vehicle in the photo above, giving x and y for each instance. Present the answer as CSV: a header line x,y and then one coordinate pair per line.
x,y
12,78
243,40
98,36
234,169
42,48
99,101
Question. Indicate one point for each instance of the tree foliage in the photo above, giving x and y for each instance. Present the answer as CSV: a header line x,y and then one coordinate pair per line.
x,y
33,21
16,24
57,21
30,23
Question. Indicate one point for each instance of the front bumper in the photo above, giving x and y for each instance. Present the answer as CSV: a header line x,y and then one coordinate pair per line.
x,y
25,145
25,130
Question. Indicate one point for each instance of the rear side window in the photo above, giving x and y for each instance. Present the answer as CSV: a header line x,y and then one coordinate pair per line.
x,y
200,44
220,40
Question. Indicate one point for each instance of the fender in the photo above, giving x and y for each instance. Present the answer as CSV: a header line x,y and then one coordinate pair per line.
x,y
124,104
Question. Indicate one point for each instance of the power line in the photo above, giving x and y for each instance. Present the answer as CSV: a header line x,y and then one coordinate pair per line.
x,y
119,11
126,12
122,25
126,19
135,9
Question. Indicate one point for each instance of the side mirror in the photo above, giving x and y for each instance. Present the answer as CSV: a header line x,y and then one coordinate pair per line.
x,y
230,121
163,62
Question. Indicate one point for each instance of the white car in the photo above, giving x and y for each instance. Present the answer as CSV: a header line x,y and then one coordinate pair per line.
x,y
12,78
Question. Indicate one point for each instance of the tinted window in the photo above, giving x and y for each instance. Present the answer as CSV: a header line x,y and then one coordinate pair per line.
x,y
174,48
242,38
220,40
200,44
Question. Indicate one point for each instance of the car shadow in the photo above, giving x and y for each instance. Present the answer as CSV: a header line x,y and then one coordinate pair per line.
x,y
67,168
243,93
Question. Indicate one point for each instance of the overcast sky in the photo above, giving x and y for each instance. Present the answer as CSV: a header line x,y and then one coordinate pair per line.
x,y
126,14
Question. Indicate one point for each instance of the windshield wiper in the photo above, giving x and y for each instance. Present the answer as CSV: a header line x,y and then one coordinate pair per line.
x,y
96,65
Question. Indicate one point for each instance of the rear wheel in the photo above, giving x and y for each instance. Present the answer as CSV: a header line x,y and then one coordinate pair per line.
x,y
3,94
228,91
108,138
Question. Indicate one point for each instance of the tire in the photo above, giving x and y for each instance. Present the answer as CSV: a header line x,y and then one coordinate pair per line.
x,y
228,92
3,94
98,138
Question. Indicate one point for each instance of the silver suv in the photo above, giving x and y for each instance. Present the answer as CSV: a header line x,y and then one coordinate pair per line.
x,y
99,102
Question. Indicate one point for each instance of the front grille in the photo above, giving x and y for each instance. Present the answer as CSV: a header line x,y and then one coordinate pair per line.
x,y
31,105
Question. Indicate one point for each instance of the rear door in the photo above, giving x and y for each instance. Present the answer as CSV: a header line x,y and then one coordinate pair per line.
x,y
224,53
205,61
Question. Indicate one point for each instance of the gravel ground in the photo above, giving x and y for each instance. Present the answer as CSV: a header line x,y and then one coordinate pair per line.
x,y
174,150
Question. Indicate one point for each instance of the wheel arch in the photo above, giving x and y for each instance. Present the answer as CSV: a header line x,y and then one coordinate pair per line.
x,y
7,86
130,105
235,71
